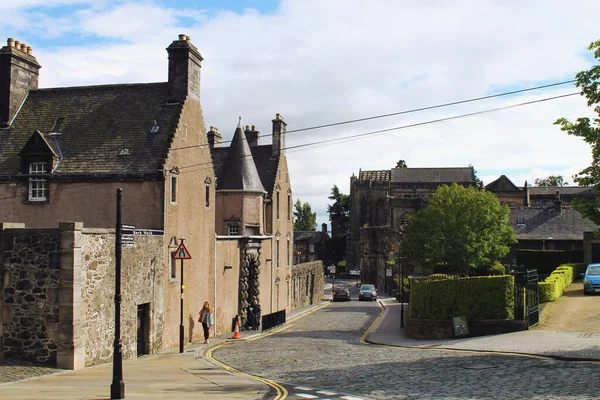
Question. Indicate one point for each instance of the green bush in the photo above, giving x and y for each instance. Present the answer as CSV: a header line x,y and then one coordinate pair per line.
x,y
497,269
485,297
548,291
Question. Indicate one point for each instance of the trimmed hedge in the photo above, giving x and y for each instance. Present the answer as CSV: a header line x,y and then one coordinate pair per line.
x,y
477,298
546,261
555,284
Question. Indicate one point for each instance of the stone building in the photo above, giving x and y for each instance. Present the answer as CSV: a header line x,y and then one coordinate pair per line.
x,y
65,151
312,246
380,202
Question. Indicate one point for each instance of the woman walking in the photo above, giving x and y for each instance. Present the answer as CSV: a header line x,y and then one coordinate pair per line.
x,y
207,319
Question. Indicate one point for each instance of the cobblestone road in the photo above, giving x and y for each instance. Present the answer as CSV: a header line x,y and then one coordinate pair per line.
x,y
323,350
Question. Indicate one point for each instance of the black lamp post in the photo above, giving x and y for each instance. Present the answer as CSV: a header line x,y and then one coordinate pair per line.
x,y
181,330
401,293
117,388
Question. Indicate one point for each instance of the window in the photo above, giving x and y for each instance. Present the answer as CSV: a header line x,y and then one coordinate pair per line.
x,y
174,178
206,195
287,291
289,207
38,187
277,295
173,266
277,253
233,229
288,262
277,204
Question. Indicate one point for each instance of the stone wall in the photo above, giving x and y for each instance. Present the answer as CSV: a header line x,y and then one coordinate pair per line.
x,y
58,289
30,270
307,284
142,282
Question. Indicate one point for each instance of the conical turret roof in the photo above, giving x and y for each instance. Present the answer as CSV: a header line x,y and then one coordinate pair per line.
x,y
240,170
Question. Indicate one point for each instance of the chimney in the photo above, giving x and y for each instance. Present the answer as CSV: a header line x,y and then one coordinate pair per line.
x,y
526,199
184,70
557,203
252,135
279,128
214,137
324,228
19,72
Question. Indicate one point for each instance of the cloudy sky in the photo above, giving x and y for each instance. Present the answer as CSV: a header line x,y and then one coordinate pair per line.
x,y
324,61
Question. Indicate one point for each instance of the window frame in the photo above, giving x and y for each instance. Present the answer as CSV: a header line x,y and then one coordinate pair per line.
x,y
173,193
41,184
230,226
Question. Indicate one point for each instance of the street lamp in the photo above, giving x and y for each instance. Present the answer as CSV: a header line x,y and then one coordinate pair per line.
x,y
401,293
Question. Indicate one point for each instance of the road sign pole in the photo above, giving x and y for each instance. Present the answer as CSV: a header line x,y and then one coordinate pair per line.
x,y
117,388
181,331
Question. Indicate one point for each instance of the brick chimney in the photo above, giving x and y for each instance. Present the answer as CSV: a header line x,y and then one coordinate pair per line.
x,y
252,135
279,128
184,70
557,203
324,228
214,137
19,72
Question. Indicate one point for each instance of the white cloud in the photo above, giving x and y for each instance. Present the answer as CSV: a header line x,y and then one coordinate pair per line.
x,y
317,62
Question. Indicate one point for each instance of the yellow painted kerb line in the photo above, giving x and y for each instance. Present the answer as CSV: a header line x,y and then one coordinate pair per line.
x,y
281,392
375,322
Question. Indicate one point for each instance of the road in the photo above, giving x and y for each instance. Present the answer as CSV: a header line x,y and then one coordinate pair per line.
x,y
323,352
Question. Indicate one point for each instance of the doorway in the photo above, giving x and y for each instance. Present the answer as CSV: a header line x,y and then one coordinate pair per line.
x,y
143,329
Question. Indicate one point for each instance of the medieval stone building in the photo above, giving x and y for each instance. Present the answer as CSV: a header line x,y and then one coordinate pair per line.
x,y
63,154
380,202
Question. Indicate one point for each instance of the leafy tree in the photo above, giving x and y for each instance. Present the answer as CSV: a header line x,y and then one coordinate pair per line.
x,y
401,164
304,218
589,130
552,180
478,182
339,211
461,228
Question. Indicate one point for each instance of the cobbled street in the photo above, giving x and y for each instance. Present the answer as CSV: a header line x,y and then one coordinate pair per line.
x,y
323,350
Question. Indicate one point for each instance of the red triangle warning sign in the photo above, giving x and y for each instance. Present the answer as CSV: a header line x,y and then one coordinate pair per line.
x,y
182,253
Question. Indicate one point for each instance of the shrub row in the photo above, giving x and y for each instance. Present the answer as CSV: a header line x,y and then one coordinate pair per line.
x,y
546,261
482,297
555,284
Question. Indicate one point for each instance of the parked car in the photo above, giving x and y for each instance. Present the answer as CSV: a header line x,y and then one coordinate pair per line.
x,y
341,293
591,279
367,292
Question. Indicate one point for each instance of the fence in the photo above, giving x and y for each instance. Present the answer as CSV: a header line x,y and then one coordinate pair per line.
x,y
272,320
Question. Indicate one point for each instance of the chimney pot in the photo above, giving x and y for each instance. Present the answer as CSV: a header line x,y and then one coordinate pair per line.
x,y
29,50
253,128
188,38
182,36
17,44
23,47
278,116
10,42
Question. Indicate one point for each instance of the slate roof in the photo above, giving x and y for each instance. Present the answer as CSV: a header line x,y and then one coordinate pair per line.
x,y
100,123
266,165
544,223
502,184
443,175
310,236
375,175
578,191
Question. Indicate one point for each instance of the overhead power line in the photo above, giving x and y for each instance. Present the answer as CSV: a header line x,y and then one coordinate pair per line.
x,y
414,110
401,127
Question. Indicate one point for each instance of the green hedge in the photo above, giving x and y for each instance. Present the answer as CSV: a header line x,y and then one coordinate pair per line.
x,y
485,297
555,284
546,261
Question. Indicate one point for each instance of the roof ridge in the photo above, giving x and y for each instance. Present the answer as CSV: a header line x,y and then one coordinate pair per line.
x,y
98,86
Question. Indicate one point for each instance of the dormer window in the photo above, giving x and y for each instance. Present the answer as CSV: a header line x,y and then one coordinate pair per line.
x,y
38,187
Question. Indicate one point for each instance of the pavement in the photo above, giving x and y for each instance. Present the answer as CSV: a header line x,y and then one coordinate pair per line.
x,y
195,374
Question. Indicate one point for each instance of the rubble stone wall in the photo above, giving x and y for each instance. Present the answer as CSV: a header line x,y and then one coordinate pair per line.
x,y
307,284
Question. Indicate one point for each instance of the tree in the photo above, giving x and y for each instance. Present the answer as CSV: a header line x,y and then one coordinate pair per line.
x,y
461,228
401,164
304,218
589,130
339,212
552,180
478,182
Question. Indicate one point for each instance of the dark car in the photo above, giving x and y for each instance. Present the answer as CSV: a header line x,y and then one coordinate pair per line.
x,y
367,292
341,294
